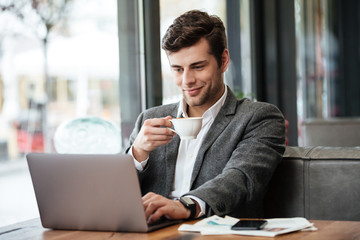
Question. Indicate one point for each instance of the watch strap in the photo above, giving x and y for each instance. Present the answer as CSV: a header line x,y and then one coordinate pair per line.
x,y
189,204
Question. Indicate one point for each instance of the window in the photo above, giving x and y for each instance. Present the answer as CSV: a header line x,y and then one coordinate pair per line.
x,y
327,64
78,77
327,35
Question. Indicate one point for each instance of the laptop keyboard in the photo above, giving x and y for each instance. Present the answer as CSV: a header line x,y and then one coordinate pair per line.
x,y
163,222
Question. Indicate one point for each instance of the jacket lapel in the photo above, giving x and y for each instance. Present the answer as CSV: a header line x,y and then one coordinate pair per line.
x,y
171,152
221,121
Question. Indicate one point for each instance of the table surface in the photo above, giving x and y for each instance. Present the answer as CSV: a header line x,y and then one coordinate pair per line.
x,y
32,229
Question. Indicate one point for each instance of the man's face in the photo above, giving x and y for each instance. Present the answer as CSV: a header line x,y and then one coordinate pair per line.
x,y
198,75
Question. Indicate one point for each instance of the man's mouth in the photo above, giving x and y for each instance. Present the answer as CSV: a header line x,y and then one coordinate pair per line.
x,y
192,91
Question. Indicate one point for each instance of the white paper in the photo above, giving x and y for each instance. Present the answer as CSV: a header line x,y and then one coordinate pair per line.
x,y
216,225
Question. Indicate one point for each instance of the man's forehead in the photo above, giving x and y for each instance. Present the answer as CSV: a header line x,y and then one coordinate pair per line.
x,y
189,56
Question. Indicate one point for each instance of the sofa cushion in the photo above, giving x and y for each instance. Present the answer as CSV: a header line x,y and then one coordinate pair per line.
x,y
316,183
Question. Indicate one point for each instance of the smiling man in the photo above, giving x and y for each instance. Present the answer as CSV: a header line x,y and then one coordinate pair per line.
x,y
226,169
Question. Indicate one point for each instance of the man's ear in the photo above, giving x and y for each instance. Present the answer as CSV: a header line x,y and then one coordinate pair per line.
x,y
225,60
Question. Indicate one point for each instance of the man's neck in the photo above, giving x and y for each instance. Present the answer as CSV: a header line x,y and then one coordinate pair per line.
x,y
196,111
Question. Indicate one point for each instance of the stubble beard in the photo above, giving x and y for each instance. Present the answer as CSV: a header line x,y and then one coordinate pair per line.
x,y
206,97
198,100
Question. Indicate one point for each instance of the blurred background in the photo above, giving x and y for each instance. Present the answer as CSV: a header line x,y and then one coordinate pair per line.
x,y
66,59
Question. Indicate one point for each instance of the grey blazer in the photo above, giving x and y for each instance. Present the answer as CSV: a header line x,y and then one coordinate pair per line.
x,y
235,161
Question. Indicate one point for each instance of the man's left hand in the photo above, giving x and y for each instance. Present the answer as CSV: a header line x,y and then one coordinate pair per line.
x,y
157,206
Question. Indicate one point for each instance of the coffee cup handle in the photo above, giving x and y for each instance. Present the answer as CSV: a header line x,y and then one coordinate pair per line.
x,y
173,130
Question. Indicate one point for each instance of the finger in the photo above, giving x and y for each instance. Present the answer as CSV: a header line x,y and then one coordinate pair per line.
x,y
152,207
148,196
152,202
157,214
151,145
157,122
157,133
151,122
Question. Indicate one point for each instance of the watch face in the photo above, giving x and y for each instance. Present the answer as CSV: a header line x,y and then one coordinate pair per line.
x,y
187,200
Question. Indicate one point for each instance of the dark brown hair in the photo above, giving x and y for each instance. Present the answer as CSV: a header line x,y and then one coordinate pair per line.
x,y
190,27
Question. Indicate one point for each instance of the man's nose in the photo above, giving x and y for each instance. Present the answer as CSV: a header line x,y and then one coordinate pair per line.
x,y
188,77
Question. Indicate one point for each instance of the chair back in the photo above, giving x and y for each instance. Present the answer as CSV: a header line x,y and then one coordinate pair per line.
x,y
337,132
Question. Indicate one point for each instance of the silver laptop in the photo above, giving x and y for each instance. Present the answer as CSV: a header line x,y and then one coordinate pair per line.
x,y
89,192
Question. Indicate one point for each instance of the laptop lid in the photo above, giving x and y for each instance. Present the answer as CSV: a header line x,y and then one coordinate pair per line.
x,y
87,192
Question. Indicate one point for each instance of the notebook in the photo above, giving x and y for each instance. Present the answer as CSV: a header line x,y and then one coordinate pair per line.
x,y
89,192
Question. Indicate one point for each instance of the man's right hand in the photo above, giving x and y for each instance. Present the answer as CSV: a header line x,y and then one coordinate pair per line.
x,y
153,134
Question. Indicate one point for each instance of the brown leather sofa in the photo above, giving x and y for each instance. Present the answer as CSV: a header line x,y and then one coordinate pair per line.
x,y
319,183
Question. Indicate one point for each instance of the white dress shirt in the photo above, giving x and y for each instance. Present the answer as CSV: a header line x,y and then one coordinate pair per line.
x,y
188,150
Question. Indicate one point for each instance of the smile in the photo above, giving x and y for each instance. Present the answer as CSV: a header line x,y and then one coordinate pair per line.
x,y
193,91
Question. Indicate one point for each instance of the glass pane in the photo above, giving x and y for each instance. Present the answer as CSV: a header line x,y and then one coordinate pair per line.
x,y
327,61
310,26
76,75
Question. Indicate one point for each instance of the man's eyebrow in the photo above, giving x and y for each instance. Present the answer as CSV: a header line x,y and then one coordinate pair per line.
x,y
198,63
175,66
193,64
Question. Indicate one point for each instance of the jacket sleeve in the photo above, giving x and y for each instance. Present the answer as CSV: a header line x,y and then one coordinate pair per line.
x,y
135,132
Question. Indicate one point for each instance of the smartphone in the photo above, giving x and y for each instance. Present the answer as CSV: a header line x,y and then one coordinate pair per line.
x,y
249,225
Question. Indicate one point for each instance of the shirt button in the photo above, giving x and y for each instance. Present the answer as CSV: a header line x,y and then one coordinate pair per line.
x,y
187,184
191,155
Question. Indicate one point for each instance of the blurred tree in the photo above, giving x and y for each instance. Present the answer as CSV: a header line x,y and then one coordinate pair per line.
x,y
42,17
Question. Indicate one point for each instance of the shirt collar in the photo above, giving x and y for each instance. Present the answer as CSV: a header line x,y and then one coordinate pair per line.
x,y
211,113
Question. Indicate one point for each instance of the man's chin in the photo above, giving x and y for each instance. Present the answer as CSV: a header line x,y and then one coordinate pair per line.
x,y
192,102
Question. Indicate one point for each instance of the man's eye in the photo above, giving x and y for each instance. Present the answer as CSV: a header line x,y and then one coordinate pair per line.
x,y
177,69
198,67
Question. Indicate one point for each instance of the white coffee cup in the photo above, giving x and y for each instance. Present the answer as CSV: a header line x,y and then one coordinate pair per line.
x,y
187,128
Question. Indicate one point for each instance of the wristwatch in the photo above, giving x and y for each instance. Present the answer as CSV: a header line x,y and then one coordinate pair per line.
x,y
189,204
